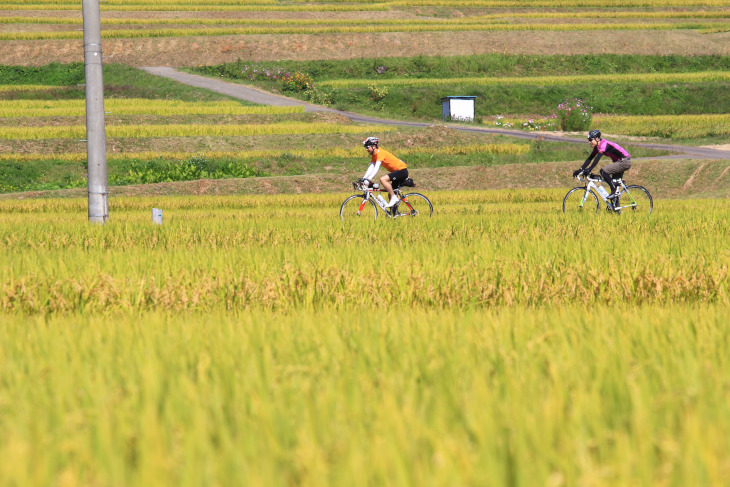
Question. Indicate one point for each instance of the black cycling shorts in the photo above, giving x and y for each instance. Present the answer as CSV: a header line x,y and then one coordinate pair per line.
x,y
397,177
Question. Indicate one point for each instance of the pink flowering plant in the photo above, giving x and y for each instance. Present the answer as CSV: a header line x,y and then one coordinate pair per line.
x,y
574,115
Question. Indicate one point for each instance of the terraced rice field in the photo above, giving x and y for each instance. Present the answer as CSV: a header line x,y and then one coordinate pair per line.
x,y
345,29
260,340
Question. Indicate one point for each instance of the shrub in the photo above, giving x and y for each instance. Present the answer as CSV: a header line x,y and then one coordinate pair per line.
x,y
377,94
319,97
297,82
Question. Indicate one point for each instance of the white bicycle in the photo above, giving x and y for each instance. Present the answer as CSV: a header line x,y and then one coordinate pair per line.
x,y
583,199
366,204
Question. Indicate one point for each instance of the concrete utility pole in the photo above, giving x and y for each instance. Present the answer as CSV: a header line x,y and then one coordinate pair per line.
x,y
95,131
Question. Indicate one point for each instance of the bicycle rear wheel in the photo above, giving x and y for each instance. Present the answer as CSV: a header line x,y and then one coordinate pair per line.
x,y
414,204
358,207
581,201
636,200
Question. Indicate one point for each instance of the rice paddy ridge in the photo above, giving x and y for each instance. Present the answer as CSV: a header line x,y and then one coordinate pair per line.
x,y
404,3
227,31
420,21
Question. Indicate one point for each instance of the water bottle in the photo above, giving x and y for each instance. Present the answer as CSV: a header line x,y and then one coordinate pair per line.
x,y
602,191
381,200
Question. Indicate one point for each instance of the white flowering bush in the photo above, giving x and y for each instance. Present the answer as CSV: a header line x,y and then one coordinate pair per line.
x,y
501,122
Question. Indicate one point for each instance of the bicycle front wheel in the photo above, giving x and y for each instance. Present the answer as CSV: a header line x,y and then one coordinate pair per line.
x,y
580,200
414,204
636,200
358,207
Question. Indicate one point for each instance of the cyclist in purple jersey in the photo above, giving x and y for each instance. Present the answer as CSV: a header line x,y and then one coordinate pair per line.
x,y
621,160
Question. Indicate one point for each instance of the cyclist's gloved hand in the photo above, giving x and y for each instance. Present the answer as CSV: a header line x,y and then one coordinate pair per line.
x,y
577,172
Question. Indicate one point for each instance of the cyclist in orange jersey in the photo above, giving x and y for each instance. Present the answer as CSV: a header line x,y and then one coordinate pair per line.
x,y
398,172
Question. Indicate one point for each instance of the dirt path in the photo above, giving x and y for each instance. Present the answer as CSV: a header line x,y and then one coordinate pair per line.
x,y
258,96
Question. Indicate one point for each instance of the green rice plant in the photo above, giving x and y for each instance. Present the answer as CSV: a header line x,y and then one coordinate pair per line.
x,y
6,88
188,130
192,168
137,106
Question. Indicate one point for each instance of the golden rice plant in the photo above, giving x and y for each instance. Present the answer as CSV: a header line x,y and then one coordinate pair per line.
x,y
694,77
137,106
508,248
134,7
150,2
670,14
603,396
558,3
672,126
189,130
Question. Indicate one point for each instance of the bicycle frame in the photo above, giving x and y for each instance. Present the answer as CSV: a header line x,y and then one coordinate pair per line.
x,y
368,194
593,182
624,191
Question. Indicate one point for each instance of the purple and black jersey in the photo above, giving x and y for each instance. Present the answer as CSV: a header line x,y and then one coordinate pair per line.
x,y
610,149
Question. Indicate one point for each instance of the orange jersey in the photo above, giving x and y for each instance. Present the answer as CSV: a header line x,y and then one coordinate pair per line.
x,y
389,161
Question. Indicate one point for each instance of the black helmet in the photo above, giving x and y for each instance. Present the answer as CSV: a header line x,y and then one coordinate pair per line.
x,y
370,141
594,134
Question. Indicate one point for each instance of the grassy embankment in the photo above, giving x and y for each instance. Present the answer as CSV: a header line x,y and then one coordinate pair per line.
x,y
259,339
520,87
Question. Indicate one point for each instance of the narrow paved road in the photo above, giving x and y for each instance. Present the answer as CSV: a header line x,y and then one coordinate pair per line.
x,y
265,98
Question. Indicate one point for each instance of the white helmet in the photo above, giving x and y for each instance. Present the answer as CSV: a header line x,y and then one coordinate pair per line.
x,y
370,141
